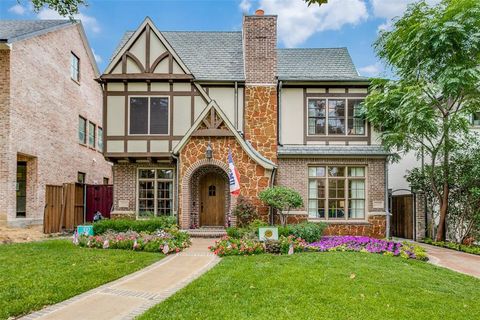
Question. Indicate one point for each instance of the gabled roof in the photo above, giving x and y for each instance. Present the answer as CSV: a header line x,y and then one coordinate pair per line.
x,y
15,30
317,64
246,146
208,55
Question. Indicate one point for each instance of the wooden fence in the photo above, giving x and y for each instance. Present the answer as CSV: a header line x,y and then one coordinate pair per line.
x,y
64,207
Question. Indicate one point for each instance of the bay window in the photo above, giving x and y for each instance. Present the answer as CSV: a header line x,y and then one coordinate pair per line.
x,y
335,117
155,192
336,192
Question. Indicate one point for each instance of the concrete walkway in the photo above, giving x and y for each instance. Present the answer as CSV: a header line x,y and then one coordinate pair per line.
x,y
455,260
133,294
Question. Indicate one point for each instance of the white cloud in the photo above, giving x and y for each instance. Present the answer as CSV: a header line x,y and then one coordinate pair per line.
x,y
18,9
245,5
97,57
389,9
371,70
88,22
297,21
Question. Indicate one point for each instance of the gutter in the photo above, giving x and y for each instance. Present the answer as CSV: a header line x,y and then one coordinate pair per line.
x,y
272,180
177,174
279,113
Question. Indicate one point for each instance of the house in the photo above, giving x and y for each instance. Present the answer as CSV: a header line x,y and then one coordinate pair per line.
x,y
177,103
50,115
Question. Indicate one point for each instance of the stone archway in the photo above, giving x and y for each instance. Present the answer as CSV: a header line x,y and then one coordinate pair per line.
x,y
191,193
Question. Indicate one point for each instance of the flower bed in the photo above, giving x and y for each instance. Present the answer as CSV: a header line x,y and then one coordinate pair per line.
x,y
165,241
472,249
365,244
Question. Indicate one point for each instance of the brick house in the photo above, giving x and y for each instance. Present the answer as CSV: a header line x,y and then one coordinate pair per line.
x,y
50,115
176,103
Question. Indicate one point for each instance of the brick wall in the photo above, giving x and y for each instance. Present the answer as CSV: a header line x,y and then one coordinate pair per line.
x,y
5,186
293,173
45,105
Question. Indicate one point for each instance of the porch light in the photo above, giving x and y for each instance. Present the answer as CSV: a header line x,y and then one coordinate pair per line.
x,y
209,152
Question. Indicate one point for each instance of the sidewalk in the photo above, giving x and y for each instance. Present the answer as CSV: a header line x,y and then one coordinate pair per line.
x,y
455,260
132,295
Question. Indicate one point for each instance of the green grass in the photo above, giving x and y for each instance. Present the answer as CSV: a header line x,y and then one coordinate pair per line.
x,y
335,285
33,275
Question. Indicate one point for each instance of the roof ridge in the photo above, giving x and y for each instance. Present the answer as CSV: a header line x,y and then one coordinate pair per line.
x,y
312,48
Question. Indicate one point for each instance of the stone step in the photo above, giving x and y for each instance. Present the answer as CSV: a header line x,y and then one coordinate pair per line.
x,y
207,232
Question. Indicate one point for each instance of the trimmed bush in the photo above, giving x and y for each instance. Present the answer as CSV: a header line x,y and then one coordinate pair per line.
x,y
472,249
245,211
123,225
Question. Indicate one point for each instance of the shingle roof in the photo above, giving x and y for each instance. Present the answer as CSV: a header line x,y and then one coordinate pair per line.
x,y
314,150
219,56
208,55
321,64
15,30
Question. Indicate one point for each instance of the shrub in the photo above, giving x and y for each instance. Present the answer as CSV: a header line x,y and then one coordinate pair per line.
x,y
309,231
165,241
245,211
298,244
250,231
123,225
472,249
281,199
227,246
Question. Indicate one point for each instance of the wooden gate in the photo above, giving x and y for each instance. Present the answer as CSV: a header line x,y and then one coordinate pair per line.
x,y
402,209
64,207
99,198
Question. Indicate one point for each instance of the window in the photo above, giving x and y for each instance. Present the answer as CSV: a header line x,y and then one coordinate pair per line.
x,y
476,119
21,189
333,117
149,115
336,192
356,122
212,190
155,192
91,134
105,180
100,139
81,177
75,67
82,130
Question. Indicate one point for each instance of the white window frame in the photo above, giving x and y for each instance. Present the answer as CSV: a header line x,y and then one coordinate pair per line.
x,y
74,73
346,178
155,199
326,134
148,124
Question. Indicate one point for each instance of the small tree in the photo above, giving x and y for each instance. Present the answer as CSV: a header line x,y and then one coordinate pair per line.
x,y
282,199
245,211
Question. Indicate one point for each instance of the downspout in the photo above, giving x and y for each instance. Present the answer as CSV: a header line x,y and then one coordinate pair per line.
x,y
176,186
387,213
272,180
279,113
235,105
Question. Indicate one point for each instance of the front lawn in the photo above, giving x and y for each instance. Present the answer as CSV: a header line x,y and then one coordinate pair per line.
x,y
33,275
331,285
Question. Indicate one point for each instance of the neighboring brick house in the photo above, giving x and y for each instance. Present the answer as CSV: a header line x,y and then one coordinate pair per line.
x,y
176,103
50,115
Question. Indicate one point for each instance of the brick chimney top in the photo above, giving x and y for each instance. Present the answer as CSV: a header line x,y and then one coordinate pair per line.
x,y
259,12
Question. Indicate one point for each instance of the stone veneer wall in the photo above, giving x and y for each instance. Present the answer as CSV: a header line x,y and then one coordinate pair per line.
x,y
42,127
253,177
293,173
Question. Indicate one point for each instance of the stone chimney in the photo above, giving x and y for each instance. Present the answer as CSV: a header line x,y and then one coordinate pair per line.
x,y
260,55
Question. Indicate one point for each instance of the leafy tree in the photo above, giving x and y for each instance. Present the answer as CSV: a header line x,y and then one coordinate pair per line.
x,y
245,211
65,8
319,2
282,199
435,53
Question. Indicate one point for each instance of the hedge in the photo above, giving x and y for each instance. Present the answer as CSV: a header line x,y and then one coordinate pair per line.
x,y
122,225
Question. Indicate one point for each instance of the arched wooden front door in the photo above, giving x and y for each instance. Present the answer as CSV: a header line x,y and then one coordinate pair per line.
x,y
212,200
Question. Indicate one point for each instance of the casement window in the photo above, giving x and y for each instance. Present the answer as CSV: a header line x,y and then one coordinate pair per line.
x,y
155,192
100,139
476,119
75,67
336,192
91,134
82,130
81,177
148,115
335,117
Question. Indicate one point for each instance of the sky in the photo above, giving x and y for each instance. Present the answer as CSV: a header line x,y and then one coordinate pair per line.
x,y
354,24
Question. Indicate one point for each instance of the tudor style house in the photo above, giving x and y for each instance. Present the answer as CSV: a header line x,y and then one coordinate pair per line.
x,y
176,104
50,115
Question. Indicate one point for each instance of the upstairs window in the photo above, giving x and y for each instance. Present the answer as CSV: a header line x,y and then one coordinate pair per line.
x,y
335,117
75,67
148,115
100,139
476,119
82,130
91,134
81,177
